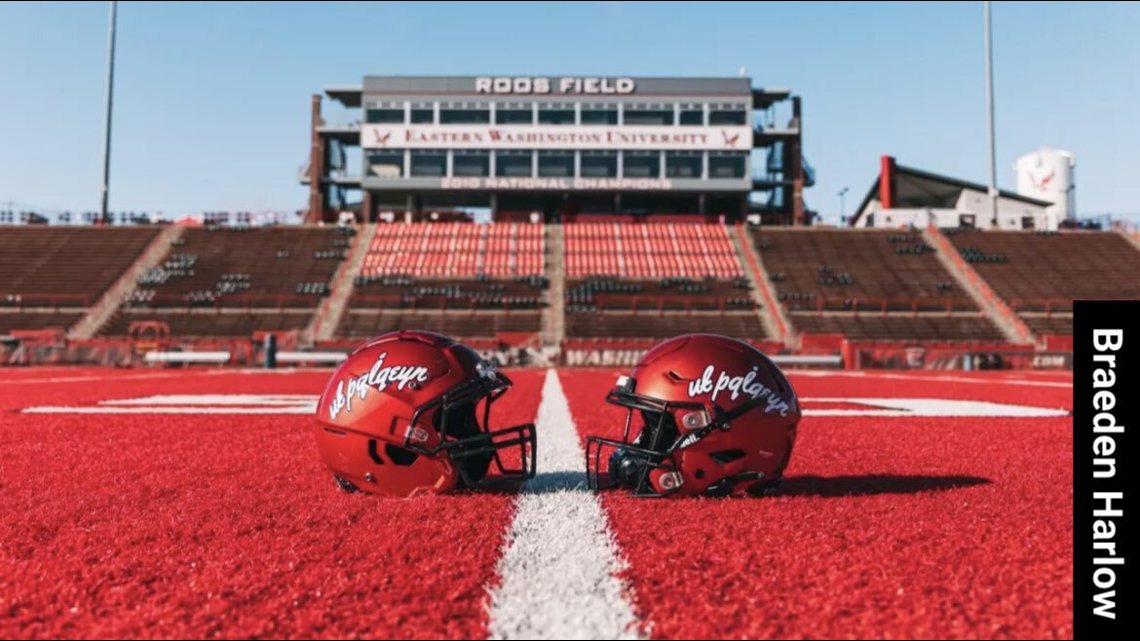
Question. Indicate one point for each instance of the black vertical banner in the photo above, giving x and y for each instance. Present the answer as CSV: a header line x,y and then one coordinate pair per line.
x,y
1106,406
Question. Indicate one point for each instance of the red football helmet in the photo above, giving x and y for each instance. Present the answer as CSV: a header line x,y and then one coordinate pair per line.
x,y
719,417
399,417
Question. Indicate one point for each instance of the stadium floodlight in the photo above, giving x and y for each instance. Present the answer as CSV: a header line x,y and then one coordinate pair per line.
x,y
107,133
990,109
843,203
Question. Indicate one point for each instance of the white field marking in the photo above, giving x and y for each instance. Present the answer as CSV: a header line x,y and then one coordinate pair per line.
x,y
49,409
216,399
306,404
170,374
867,374
912,407
193,404
84,379
559,568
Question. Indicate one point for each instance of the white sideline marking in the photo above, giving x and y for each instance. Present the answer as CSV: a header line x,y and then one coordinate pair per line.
x,y
944,407
216,399
193,404
950,378
217,358
309,408
182,374
559,569
307,404
84,379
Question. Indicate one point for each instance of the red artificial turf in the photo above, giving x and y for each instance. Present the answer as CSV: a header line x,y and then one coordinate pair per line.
x,y
222,525
886,527
225,525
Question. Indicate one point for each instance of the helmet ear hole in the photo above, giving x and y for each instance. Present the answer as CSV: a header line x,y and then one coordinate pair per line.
x,y
399,456
344,485
724,457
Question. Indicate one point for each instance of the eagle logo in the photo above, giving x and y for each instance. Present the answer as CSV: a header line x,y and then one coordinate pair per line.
x,y
1043,183
729,141
381,138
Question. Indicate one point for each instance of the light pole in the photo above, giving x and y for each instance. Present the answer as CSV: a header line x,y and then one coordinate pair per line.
x,y
990,111
107,132
843,204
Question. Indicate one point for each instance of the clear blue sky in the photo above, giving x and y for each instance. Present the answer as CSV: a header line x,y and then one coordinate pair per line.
x,y
212,99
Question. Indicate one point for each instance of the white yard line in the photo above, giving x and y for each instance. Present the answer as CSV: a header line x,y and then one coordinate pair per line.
x,y
302,408
85,379
865,374
558,573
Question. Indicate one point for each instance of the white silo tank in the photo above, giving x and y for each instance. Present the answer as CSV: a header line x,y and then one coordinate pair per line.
x,y
1047,174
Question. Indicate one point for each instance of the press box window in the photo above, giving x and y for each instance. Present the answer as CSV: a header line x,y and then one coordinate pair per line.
x,y
386,164
555,164
692,115
468,163
599,115
648,116
429,163
726,165
513,164
599,164
464,114
385,116
422,116
727,115
555,115
683,165
514,114
641,165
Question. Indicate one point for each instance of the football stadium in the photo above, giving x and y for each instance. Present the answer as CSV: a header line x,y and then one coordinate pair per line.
x,y
160,475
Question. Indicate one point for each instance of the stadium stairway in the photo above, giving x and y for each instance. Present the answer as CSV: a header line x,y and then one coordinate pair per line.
x,y
1132,238
109,302
554,315
1011,326
772,314
327,319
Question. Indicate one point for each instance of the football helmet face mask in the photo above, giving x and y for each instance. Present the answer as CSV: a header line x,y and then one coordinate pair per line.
x,y
716,417
409,412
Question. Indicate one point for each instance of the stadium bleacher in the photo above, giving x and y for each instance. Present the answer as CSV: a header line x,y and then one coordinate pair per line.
x,y
619,279
867,284
609,293
1040,274
451,270
1051,323
407,292
274,276
642,325
49,276
457,249
922,327
364,324
630,280
211,323
65,265
650,251
22,320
